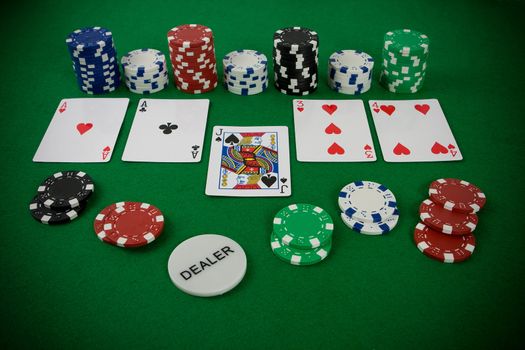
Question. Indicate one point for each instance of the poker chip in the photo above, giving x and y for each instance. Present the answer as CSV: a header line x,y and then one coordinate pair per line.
x,y
145,71
405,55
299,257
245,72
192,56
350,72
457,195
367,201
66,189
129,224
371,228
445,248
446,221
94,59
207,265
303,226
295,60
50,216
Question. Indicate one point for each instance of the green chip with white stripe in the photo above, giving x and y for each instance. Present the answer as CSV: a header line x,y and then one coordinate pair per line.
x,y
300,257
303,226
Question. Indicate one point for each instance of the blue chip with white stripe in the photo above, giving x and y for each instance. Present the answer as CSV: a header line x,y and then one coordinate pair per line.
x,y
367,201
372,228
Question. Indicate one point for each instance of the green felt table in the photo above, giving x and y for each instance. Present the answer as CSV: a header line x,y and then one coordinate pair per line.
x,y
62,288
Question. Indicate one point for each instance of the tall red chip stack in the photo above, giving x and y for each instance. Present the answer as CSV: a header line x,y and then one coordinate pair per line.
x,y
192,55
448,219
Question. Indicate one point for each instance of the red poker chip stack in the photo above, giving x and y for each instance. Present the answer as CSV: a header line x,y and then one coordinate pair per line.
x,y
192,55
448,219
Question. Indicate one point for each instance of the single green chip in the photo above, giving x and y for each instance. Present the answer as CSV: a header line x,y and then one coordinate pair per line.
x,y
406,42
303,226
300,257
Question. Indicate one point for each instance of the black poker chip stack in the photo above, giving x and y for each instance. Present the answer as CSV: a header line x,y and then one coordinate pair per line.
x,y
295,60
61,197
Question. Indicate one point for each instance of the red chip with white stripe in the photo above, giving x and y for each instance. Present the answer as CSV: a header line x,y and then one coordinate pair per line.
x,y
129,224
457,195
445,221
445,248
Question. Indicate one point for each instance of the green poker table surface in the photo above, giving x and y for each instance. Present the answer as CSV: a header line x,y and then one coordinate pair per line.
x,y
62,288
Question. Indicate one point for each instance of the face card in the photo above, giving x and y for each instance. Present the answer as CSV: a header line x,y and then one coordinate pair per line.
x,y
83,130
332,131
167,131
414,131
249,162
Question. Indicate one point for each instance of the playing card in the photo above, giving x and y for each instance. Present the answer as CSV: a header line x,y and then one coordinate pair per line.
x,y
414,131
167,131
332,131
249,162
83,130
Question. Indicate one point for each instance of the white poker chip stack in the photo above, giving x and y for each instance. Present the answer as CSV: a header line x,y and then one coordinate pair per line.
x,y
350,72
145,71
245,72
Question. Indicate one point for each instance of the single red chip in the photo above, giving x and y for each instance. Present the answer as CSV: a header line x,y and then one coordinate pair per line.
x,y
445,221
190,35
457,195
129,224
445,248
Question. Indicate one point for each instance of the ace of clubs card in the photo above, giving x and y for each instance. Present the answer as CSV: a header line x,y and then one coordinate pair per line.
x,y
166,130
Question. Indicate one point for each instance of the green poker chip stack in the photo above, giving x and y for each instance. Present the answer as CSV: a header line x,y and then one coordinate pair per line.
x,y
405,55
302,234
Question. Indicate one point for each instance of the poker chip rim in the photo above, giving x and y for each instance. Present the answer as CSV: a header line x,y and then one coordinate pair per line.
x,y
45,197
298,237
372,228
374,216
175,39
429,218
336,62
50,216
435,192
81,46
230,65
113,238
440,254
280,42
282,251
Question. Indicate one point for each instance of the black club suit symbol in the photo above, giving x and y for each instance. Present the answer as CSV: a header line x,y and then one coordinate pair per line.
x,y
168,128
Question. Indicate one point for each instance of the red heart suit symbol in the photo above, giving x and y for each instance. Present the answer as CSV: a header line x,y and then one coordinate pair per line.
x,y
84,127
330,109
300,109
400,149
438,148
335,149
332,129
367,148
422,108
388,109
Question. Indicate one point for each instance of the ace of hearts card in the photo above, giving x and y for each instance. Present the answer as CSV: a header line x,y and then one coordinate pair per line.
x,y
414,131
249,162
82,130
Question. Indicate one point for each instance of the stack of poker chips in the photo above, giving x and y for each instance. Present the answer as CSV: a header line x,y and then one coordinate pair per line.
x,y
302,234
405,55
368,207
61,197
448,219
145,71
192,55
350,72
245,72
295,59
94,60
129,224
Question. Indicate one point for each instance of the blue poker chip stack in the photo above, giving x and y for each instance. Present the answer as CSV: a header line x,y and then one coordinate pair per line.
x,y
245,72
94,60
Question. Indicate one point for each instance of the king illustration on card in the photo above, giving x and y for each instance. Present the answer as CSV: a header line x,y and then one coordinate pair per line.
x,y
249,161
